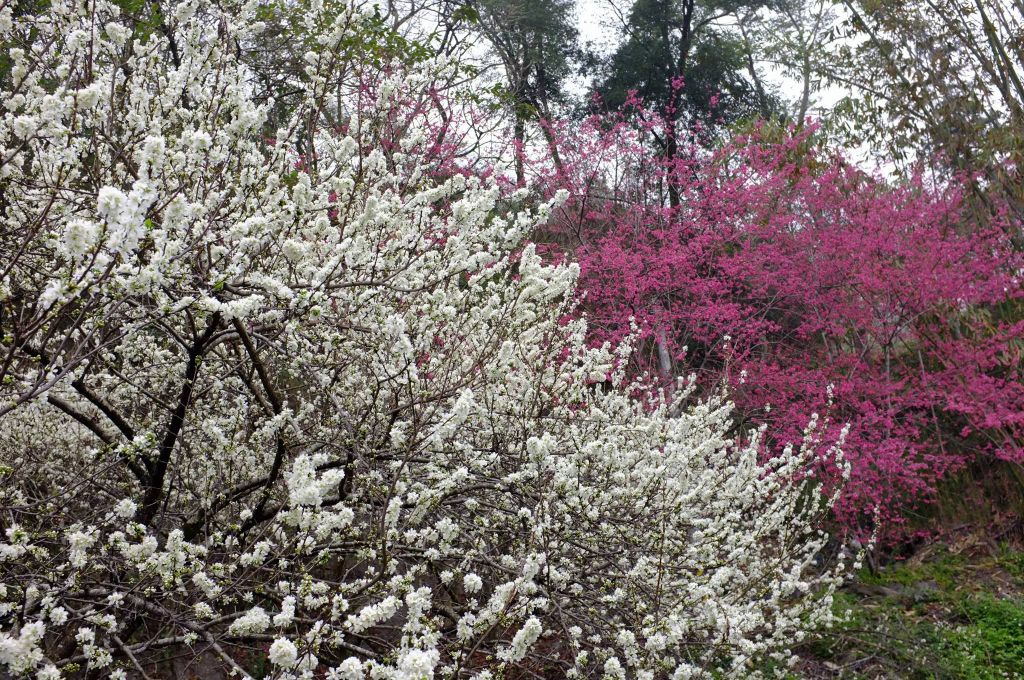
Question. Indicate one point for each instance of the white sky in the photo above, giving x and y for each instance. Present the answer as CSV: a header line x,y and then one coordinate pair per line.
x,y
596,21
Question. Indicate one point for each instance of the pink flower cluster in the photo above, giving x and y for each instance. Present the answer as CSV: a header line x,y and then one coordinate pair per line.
x,y
788,274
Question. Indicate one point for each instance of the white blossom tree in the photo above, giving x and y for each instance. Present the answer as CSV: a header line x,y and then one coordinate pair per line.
x,y
308,402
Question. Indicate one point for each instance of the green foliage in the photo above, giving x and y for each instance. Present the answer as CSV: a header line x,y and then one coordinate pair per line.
x,y
990,644
1012,562
945,571
465,13
946,617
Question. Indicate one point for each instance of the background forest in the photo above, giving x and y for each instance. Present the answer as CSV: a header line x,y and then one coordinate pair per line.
x,y
512,338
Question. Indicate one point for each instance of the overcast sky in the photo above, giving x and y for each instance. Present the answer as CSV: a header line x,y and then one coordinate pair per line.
x,y
596,21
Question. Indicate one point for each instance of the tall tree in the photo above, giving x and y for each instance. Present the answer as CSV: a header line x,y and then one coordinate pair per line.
x,y
791,37
683,58
941,82
536,42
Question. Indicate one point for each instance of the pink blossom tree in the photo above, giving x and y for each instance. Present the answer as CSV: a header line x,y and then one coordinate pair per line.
x,y
796,279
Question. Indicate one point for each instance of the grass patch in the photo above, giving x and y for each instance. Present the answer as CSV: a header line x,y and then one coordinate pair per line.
x,y
990,644
949,616
945,570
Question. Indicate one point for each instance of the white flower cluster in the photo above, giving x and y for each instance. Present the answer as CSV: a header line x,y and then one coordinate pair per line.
x,y
20,652
270,380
